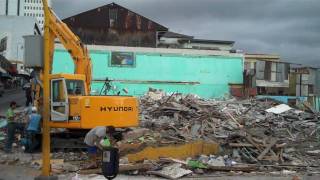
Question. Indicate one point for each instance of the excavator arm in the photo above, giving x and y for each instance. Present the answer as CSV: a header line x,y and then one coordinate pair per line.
x,y
78,52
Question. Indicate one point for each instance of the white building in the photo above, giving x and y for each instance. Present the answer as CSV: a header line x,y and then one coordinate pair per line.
x,y
11,7
31,8
12,30
34,8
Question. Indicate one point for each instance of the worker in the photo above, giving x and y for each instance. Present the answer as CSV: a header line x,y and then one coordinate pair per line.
x,y
33,128
11,126
93,139
28,93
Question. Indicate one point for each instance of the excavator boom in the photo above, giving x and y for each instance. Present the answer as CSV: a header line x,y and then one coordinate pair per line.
x,y
72,43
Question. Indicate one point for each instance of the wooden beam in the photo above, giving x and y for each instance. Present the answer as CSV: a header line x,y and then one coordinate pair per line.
x,y
267,149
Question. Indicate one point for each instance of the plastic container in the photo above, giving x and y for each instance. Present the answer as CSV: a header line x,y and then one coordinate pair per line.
x,y
110,162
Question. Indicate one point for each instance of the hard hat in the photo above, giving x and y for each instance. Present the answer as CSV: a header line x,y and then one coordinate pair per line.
x,y
34,109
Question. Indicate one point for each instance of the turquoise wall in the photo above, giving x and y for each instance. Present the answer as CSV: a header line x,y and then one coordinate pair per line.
x,y
206,76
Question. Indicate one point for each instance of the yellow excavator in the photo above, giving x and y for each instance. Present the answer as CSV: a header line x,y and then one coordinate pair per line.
x,y
71,105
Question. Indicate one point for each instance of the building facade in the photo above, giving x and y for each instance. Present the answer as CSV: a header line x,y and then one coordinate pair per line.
x,y
206,73
266,75
29,8
11,7
113,24
305,83
11,38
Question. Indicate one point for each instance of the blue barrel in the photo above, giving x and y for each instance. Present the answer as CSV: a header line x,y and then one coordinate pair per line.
x,y
110,162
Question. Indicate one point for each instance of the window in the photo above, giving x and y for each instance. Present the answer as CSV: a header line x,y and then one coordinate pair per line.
x,y
310,89
75,87
3,44
122,59
113,17
57,91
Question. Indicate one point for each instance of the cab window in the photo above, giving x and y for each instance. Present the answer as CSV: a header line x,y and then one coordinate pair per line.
x,y
75,87
58,92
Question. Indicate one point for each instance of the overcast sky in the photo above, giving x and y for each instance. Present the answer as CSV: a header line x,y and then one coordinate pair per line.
x,y
290,28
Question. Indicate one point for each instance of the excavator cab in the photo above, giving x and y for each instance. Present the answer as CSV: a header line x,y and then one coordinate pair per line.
x,y
65,87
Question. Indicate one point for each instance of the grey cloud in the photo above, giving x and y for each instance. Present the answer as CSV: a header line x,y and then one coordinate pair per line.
x,y
286,27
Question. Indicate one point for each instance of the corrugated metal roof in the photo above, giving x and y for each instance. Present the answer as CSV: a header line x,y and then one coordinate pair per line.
x,y
171,34
212,41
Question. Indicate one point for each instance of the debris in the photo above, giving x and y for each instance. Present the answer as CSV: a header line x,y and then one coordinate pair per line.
x,y
233,168
216,161
314,152
173,171
191,149
184,131
287,172
65,167
244,128
196,164
123,168
279,109
136,133
52,161
309,107
267,149
133,167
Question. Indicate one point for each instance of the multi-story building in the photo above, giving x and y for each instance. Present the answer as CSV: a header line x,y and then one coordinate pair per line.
x,y
31,8
12,30
11,7
34,8
265,74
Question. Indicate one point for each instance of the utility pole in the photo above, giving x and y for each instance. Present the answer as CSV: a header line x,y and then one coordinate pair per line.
x,y
48,44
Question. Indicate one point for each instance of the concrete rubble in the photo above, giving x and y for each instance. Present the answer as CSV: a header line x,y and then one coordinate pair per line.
x,y
255,136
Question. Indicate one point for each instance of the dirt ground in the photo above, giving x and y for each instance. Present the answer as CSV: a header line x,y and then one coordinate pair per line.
x,y
8,172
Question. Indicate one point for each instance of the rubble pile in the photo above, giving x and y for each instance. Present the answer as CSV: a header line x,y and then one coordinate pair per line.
x,y
253,136
261,132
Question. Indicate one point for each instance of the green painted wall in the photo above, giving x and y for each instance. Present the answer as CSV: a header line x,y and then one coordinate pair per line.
x,y
206,76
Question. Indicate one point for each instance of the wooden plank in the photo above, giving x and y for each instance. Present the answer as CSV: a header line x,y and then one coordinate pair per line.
x,y
250,145
233,168
122,168
133,167
241,145
183,151
249,138
267,149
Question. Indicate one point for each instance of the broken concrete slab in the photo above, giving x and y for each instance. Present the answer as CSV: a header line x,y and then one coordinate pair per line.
x,y
173,171
216,161
279,109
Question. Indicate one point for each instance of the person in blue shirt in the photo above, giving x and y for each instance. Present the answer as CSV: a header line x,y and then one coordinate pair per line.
x,y
33,127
